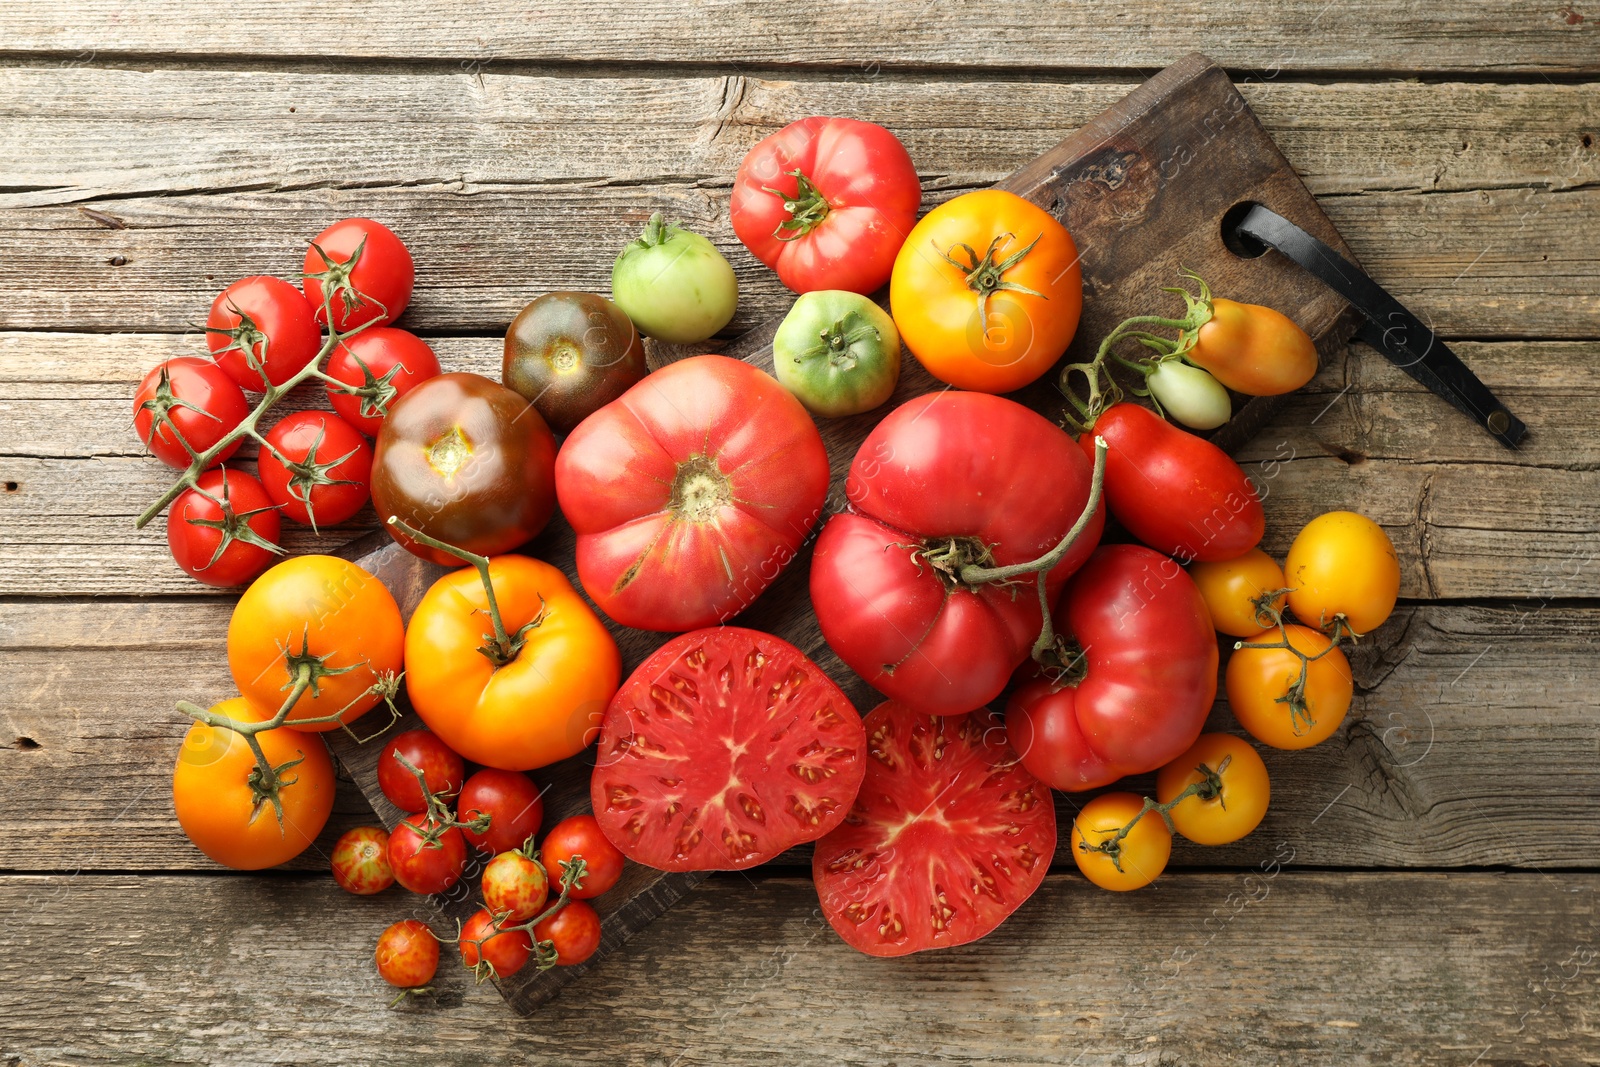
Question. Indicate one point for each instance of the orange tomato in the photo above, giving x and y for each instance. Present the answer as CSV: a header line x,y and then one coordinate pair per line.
x,y
1142,854
542,706
323,612
1342,563
1253,349
1230,588
1239,805
986,291
220,811
1258,677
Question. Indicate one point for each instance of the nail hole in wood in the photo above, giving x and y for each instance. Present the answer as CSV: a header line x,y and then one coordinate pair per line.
x,y
12,487
25,743
1588,140
117,261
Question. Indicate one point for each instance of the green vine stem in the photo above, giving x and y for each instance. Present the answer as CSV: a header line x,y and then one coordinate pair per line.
x,y
573,872
439,816
1209,787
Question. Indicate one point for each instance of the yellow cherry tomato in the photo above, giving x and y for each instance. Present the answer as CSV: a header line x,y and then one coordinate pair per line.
x,y
1342,563
1231,588
1259,681
1139,857
1234,809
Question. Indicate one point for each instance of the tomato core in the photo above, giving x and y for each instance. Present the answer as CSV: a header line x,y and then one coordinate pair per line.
x,y
564,355
450,453
700,490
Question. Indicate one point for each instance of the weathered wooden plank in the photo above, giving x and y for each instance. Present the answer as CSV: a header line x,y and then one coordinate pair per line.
x,y
1299,35
1296,967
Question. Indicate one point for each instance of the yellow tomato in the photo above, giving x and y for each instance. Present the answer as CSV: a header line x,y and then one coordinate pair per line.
x,y
1237,807
1259,678
1140,856
1231,587
1342,563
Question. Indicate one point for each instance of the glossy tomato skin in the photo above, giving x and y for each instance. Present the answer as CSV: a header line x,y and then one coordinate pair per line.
x,y
505,951
872,194
442,768
319,447
217,809
384,361
407,954
1254,350
513,803
571,354
1232,586
1178,493
541,707
194,543
1342,563
418,866
1151,661
1240,805
581,836
691,492
947,837
942,466
467,461
280,337
361,861
574,931
202,405
379,284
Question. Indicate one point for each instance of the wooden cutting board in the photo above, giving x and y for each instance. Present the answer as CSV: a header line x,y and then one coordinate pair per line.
x,y
1144,190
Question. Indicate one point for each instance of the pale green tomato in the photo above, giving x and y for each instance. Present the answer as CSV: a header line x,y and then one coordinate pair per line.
x,y
674,284
838,352
1190,395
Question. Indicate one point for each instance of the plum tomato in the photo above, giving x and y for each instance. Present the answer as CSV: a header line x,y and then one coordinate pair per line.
x,y
513,803
571,354
1234,589
502,953
441,768
373,369
407,954
224,530
515,887
1235,809
838,352
1251,349
1132,862
1344,564
1189,395
188,400
365,270
674,284
262,330
574,933
361,861
581,836
425,856
316,467
1270,700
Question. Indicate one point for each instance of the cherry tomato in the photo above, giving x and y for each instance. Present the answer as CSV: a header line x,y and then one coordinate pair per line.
x,y
188,399
423,867
511,800
361,861
581,836
262,329
316,467
1231,588
1140,857
1259,679
441,767
225,530
377,366
503,952
366,269
1342,563
571,354
1250,349
575,932
515,887
1236,809
408,954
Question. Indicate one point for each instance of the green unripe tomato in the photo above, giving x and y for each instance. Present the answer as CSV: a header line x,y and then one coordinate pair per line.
x,y
674,284
1189,395
838,352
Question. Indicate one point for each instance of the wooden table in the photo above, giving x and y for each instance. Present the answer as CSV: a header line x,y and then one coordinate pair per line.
x,y
1424,888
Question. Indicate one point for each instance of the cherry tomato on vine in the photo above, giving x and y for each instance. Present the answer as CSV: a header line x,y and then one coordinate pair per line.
x,y
504,952
1140,857
223,531
511,800
1261,684
575,932
262,328
188,399
366,269
1342,563
407,954
1236,809
1231,588
316,467
581,836
420,866
361,861
1250,349
441,767
515,886
377,366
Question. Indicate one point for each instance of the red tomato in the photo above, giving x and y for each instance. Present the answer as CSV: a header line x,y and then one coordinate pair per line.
x,y
1151,662
948,836
408,954
262,328
1178,493
361,861
378,366
581,836
423,749
574,931
188,399
366,268
317,467
503,952
419,866
687,775
947,479
224,531
827,203
511,800
691,492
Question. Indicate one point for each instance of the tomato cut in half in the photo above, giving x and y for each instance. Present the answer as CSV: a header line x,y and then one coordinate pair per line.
x,y
725,747
948,836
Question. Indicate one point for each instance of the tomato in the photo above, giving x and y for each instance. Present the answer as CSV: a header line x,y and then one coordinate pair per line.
x,y
361,861
426,857
690,493
674,284
723,749
467,461
408,954
1260,684
322,617
1139,858
364,267
221,812
315,466
581,836
947,837
375,368
1231,813
987,291
188,400
1344,564
1148,671
225,530
826,202
574,932
945,480
1189,395
838,352
540,706
571,354
1249,348
511,800
262,330
1178,493
442,769
1233,587
502,952
515,887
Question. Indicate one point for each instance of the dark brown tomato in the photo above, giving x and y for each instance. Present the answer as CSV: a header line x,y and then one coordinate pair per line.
x,y
571,354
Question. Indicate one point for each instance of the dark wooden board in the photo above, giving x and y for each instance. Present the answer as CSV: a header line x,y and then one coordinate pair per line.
x,y
1143,189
